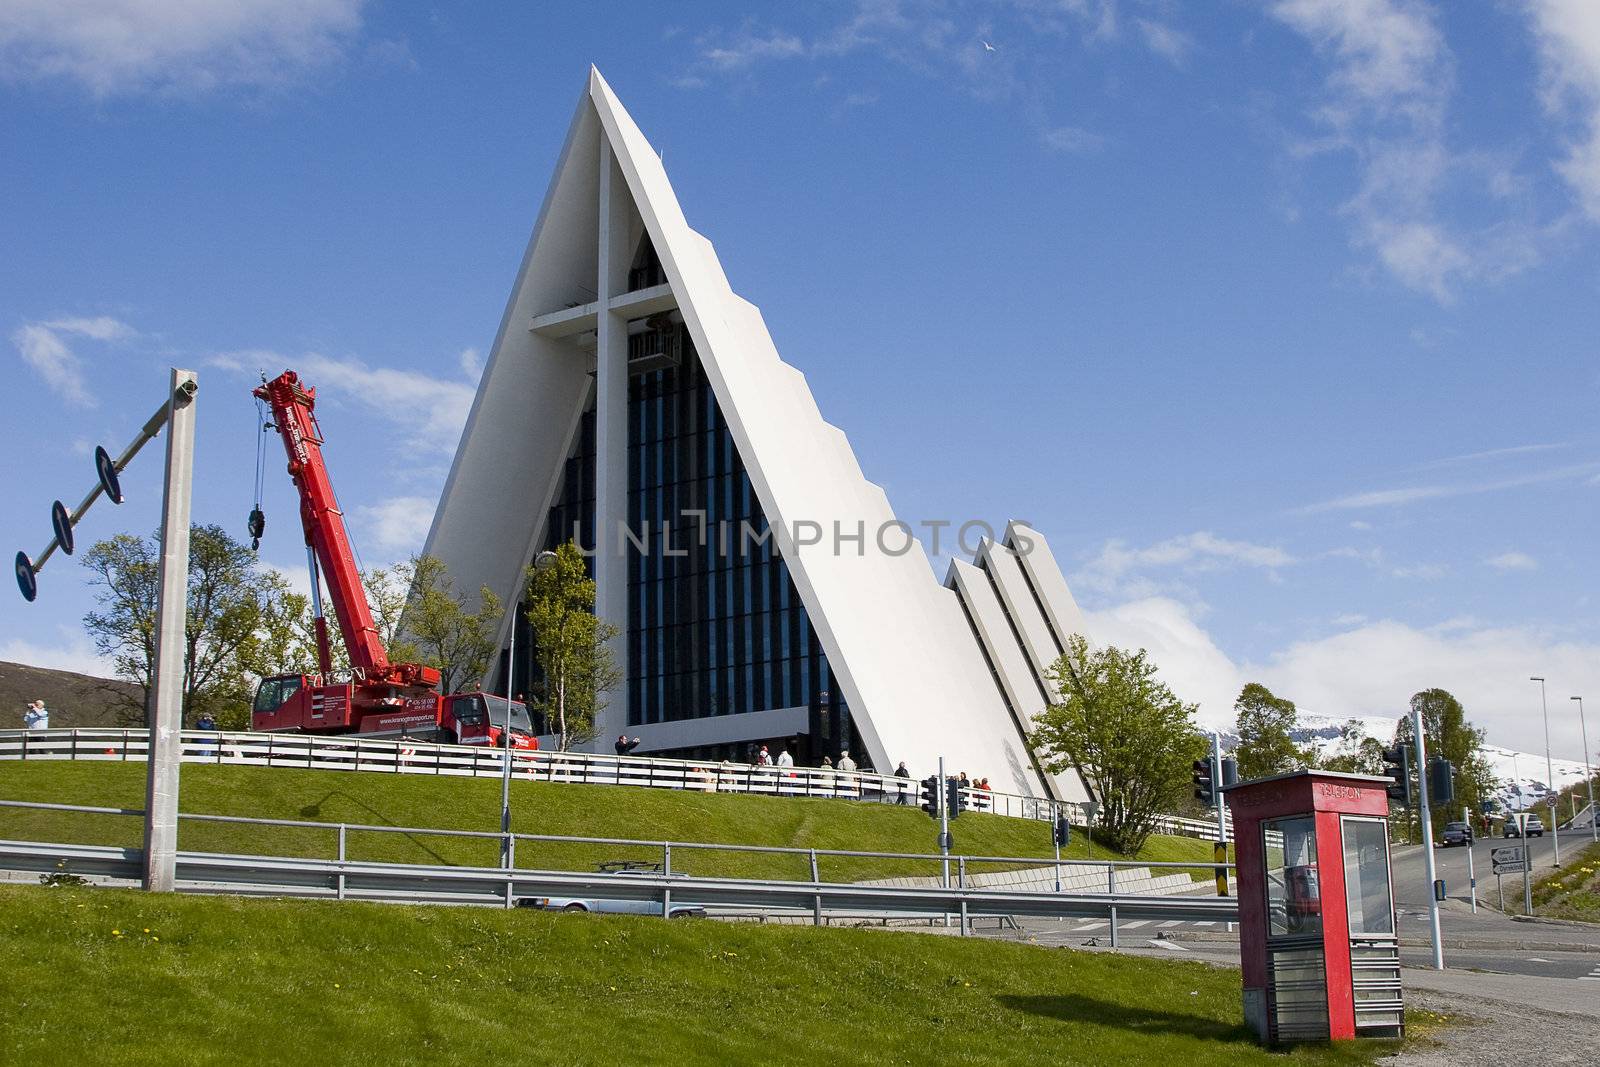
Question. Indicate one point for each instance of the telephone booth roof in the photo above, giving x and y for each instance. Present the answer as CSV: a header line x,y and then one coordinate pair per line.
x,y
1307,791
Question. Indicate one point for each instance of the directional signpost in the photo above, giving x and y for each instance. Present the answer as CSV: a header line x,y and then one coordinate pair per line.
x,y
1506,858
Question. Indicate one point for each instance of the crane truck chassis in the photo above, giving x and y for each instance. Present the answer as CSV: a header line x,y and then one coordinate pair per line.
x,y
378,698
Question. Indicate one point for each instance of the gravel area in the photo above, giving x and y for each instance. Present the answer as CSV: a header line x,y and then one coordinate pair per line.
x,y
1501,1019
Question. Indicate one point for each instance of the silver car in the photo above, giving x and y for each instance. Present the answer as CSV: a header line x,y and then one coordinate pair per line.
x,y
614,906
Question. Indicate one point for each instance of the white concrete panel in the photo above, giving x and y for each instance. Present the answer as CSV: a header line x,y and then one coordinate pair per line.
x,y
1037,640
1039,564
1011,663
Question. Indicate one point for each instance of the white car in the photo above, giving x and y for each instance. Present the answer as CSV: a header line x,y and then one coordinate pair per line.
x,y
614,906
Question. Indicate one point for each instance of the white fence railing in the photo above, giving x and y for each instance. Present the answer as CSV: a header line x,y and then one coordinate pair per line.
x,y
354,753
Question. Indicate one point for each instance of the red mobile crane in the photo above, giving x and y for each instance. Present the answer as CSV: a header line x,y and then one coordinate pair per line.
x,y
379,698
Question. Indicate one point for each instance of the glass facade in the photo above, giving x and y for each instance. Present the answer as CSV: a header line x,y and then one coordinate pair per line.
x,y
715,626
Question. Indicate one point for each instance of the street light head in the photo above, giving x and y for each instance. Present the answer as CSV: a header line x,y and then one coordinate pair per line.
x,y
1535,679
544,560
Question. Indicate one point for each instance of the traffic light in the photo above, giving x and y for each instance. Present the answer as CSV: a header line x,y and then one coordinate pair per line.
x,y
1397,765
930,795
953,799
1230,771
1441,781
1063,831
1205,787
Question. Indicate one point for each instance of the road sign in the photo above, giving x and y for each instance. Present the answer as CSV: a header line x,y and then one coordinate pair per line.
x,y
1507,859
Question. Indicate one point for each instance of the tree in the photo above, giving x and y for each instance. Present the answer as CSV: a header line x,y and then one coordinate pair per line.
x,y
1265,722
388,590
443,632
1449,735
1125,731
1357,752
231,598
573,646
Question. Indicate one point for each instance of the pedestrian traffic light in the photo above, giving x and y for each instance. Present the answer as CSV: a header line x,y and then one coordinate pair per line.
x,y
1441,781
954,801
930,795
1230,771
1063,831
1205,787
1397,765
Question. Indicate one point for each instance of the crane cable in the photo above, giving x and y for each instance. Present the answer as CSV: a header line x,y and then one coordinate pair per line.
x,y
258,519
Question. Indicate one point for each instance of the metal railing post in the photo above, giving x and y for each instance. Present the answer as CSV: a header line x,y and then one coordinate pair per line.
x,y
1111,878
511,866
961,882
25,734
74,751
1114,942
816,901
269,751
666,870
341,862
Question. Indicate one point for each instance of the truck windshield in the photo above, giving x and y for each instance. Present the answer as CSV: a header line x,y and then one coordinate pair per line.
x,y
519,713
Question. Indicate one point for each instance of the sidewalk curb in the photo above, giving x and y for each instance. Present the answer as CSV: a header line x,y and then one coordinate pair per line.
x,y
1460,943
1579,923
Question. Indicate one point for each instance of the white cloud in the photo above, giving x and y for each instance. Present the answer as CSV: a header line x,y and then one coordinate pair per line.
x,y
1568,34
43,347
1390,79
1412,494
747,49
1192,553
1512,561
1489,454
472,363
1164,40
1072,139
427,412
111,46
1373,668
73,652
397,527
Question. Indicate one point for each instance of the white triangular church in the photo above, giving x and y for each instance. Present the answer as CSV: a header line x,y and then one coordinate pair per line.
x,y
765,592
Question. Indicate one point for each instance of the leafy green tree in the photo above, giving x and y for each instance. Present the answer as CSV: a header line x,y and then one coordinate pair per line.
x,y
1448,734
442,631
230,599
1357,751
1265,723
388,589
573,646
1125,732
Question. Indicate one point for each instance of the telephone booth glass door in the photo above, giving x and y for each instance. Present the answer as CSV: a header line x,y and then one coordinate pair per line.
x,y
1296,961
1374,948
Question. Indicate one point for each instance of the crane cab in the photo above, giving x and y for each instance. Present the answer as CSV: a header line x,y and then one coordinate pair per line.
x,y
481,719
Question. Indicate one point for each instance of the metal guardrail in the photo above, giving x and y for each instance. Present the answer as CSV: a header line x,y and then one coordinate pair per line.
x,y
346,878
354,753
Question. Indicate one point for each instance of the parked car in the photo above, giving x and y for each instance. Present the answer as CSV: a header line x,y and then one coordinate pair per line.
x,y
1457,833
613,905
1534,823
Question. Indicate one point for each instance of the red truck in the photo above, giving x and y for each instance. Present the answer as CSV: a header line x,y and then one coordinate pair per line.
x,y
379,698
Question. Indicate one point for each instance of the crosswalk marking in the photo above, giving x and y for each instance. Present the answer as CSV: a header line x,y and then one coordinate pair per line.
x,y
1592,976
1170,923
1136,924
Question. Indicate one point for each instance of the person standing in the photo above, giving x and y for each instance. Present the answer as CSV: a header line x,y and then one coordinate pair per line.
x,y
624,746
901,772
846,764
784,759
37,717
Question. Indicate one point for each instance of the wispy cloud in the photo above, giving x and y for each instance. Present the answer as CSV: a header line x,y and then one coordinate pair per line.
x,y
1412,494
1489,454
396,527
1568,34
1165,41
1512,561
1118,566
1072,140
1385,104
428,411
43,347
114,46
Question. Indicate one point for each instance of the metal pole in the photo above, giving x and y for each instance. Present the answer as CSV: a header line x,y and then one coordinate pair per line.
x,y
1527,871
1550,775
1500,884
1427,838
944,832
1588,775
1053,823
1472,843
172,596
505,737
816,901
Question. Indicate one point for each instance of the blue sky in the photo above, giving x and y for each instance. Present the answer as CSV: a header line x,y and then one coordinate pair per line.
x,y
1282,319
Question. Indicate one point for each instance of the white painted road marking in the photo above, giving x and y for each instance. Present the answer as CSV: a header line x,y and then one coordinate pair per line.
x,y
1171,946
1170,923
1136,924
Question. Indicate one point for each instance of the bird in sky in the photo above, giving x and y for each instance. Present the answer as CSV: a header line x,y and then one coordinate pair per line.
x,y
987,47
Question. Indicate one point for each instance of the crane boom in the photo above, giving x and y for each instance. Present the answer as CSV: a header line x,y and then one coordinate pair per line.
x,y
293,413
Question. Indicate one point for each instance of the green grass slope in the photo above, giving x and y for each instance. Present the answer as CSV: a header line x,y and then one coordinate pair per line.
x,y
538,807
120,977
1572,892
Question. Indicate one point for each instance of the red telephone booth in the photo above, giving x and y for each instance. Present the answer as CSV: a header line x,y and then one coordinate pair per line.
x,y
1317,939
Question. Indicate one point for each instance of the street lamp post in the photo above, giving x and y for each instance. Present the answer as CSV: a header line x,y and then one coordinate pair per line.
x,y
1550,774
543,561
1588,775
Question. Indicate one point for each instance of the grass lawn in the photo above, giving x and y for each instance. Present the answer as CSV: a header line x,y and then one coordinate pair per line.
x,y
1573,892
116,976
538,807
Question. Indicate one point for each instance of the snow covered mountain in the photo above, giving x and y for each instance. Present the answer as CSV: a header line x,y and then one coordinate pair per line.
x,y
1522,775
